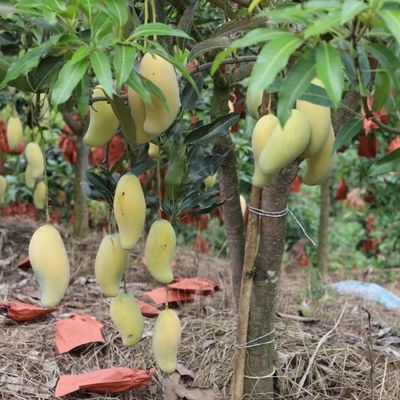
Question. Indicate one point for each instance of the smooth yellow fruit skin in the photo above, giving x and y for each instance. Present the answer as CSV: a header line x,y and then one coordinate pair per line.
x,y
162,74
253,102
154,150
210,181
262,132
50,264
129,210
160,251
138,112
35,159
14,132
166,338
40,195
319,166
3,188
29,179
286,144
319,118
127,318
103,123
243,205
110,265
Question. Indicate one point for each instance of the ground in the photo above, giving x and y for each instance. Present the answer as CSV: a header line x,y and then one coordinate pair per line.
x,y
357,360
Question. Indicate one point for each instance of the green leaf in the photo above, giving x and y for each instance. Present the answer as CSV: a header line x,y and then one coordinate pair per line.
x,y
388,163
392,20
118,10
102,68
330,70
347,132
295,84
382,90
273,57
123,112
207,133
293,14
209,45
350,9
317,95
386,58
135,82
256,36
124,60
80,54
158,29
189,96
82,92
69,76
143,166
323,25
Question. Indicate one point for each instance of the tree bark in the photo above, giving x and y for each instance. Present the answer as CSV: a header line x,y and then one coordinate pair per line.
x,y
229,189
323,234
260,361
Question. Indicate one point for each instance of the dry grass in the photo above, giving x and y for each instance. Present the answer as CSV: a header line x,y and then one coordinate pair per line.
x,y
353,363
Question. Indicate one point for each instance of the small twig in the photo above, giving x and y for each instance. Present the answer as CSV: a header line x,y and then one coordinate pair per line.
x,y
319,345
105,98
231,60
370,354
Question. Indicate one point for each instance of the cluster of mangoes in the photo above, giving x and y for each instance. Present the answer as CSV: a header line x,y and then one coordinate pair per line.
x,y
307,134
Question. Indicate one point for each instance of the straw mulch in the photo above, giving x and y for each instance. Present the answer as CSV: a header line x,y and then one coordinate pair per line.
x,y
357,360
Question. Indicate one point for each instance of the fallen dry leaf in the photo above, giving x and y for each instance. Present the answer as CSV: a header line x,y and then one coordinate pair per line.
x,y
162,296
77,330
112,380
21,312
185,372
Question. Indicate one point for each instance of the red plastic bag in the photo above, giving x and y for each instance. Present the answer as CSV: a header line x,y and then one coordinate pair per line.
x,y
20,312
147,309
341,190
194,285
162,296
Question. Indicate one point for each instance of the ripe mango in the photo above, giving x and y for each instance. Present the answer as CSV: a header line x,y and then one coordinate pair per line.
x,y
160,251
261,134
50,264
3,188
210,181
162,74
110,264
35,159
40,195
103,123
129,210
154,150
166,338
319,166
286,144
29,179
127,317
14,132
243,205
319,118
253,103
138,111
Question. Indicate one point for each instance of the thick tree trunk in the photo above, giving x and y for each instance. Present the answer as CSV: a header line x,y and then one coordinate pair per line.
x,y
229,189
81,216
323,234
260,360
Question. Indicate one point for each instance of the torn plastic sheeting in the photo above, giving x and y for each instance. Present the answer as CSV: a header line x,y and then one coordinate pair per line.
x,y
196,285
112,380
21,312
147,309
162,296
24,263
76,331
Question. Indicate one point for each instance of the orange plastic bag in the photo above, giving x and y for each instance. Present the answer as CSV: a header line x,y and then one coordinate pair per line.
x,y
77,330
162,296
195,285
112,380
20,312
147,309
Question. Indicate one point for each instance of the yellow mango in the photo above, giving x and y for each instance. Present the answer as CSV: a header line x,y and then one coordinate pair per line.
x,y
319,166
160,251
138,112
154,150
129,210
210,181
261,134
3,188
14,132
40,195
29,179
319,118
127,318
162,74
35,159
243,205
50,264
286,144
103,123
166,338
110,264
253,103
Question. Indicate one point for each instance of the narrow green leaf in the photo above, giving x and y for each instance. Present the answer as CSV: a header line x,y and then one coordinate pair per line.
x,y
347,132
124,60
392,20
293,14
295,84
82,91
210,44
80,54
350,9
135,82
386,58
256,36
273,57
323,25
123,112
118,10
330,70
382,90
158,29
69,76
388,163
317,95
102,68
